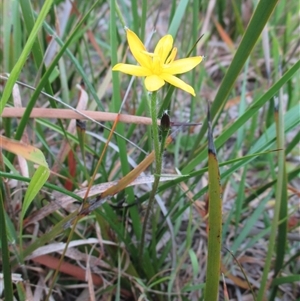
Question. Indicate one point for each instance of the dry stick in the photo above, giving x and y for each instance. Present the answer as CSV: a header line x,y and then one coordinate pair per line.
x,y
81,114
85,115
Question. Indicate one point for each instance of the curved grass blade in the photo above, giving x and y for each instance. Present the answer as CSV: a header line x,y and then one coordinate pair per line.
x,y
258,21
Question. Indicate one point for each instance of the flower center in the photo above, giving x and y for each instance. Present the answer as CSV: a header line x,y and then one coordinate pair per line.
x,y
157,65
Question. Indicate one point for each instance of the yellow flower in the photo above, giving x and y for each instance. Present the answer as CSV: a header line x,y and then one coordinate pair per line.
x,y
158,67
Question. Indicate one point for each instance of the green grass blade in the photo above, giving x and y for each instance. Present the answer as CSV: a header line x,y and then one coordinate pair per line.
x,y
283,211
287,279
278,205
294,143
5,253
116,103
143,19
259,19
29,23
251,222
135,17
214,222
178,16
12,33
23,57
37,50
53,187
57,229
36,183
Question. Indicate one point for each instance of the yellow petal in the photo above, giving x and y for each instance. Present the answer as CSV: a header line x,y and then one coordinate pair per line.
x,y
183,65
175,81
153,83
172,56
138,49
163,48
132,69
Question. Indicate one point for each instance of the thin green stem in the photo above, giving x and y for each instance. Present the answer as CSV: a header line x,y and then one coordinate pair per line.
x,y
279,192
158,164
118,11
155,133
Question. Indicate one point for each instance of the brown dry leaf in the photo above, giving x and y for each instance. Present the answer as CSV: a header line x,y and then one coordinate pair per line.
x,y
27,151
89,277
235,101
29,295
224,36
66,268
236,280
199,206
96,46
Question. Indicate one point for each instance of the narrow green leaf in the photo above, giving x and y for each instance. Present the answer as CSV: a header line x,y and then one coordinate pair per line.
x,y
23,57
178,16
29,23
287,279
283,215
115,107
258,21
281,193
214,221
47,185
5,253
37,182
